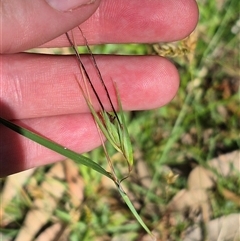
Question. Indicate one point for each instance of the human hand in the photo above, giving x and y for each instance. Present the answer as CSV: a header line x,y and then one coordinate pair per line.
x,y
40,91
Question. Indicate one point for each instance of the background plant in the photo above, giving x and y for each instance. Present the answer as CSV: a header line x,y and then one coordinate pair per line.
x,y
201,123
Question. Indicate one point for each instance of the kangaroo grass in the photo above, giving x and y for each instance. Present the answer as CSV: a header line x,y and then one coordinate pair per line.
x,y
110,124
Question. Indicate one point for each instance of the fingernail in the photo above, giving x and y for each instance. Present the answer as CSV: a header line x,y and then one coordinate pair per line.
x,y
67,5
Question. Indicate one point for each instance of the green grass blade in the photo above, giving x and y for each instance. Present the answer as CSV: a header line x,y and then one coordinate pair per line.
x,y
125,137
134,212
56,147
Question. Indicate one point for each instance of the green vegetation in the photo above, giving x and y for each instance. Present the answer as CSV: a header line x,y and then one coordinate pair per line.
x,y
201,123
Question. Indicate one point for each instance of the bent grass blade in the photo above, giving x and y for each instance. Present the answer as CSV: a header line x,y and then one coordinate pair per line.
x,y
134,212
56,147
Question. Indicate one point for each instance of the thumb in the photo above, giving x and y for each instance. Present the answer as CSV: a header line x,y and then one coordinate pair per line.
x,y
27,24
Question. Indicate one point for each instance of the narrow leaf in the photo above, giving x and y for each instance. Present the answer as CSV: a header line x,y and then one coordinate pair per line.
x,y
126,142
80,159
134,212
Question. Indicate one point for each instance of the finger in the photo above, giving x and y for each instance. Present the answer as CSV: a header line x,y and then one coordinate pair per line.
x,y
27,24
41,85
137,21
17,153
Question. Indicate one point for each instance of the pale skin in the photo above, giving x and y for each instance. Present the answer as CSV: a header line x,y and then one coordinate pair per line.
x,y
40,92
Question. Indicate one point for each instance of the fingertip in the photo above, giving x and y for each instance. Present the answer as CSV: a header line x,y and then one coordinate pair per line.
x,y
151,85
189,19
169,81
177,19
163,82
